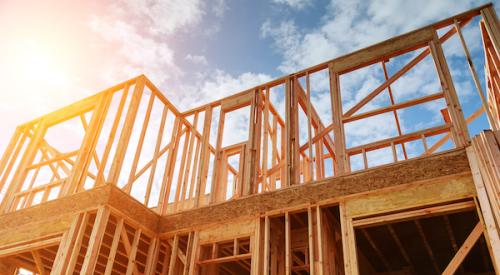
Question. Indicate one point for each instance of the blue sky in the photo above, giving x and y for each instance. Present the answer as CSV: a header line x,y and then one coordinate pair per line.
x,y
198,51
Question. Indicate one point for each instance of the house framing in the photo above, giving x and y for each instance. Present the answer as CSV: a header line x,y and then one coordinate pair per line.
x,y
144,188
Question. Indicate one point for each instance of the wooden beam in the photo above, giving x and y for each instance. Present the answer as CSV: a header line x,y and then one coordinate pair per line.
x,y
475,77
436,169
39,263
487,210
348,242
459,131
98,230
427,246
130,119
412,214
173,255
75,251
133,252
288,251
114,247
341,163
252,154
464,250
310,237
291,112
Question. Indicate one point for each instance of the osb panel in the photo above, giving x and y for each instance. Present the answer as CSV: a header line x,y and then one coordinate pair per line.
x,y
227,231
32,231
450,163
133,209
63,206
432,192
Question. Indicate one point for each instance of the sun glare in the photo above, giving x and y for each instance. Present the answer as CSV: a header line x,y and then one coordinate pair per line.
x,y
36,63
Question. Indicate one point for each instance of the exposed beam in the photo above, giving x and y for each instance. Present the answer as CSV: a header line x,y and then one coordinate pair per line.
x,y
464,250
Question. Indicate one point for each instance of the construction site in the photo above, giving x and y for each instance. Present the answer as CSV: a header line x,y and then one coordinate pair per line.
x,y
144,188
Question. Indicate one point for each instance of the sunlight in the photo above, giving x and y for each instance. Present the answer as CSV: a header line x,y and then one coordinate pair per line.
x,y
34,62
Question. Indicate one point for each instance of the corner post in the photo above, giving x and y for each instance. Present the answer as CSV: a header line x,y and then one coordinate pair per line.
x,y
341,165
459,131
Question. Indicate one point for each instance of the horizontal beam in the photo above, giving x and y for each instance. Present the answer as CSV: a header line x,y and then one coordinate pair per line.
x,y
413,214
394,107
449,164
399,139
226,259
54,217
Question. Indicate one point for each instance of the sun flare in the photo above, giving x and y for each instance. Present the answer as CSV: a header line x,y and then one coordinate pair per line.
x,y
35,63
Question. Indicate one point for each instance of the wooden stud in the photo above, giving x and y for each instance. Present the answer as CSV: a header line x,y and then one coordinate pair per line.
x,y
133,252
288,256
292,138
114,247
121,149
341,165
474,75
459,129
96,236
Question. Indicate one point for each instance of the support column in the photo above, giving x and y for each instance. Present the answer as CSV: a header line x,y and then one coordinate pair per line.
x,y
341,164
491,23
252,155
292,133
90,260
459,131
201,176
348,242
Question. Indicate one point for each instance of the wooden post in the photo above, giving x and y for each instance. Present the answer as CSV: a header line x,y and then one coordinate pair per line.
x,y
252,154
267,232
348,242
79,171
8,153
75,250
310,234
475,77
464,250
66,245
133,252
173,255
21,172
214,190
128,126
491,23
292,134
319,232
288,242
101,221
486,210
341,164
166,184
201,177
459,130
114,247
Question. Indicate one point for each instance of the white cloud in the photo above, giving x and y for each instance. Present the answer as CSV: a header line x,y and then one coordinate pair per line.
x,y
164,17
295,4
215,86
350,25
143,54
219,7
196,59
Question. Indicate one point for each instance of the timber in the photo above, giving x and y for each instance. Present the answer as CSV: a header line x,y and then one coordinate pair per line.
x,y
151,189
